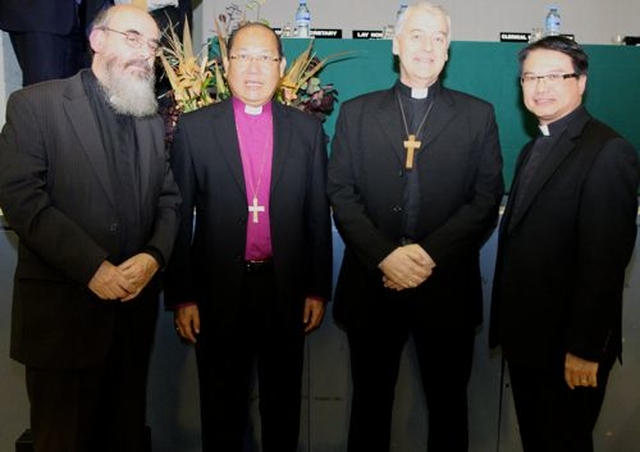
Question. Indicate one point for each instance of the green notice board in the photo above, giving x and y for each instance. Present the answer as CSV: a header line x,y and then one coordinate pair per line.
x,y
490,71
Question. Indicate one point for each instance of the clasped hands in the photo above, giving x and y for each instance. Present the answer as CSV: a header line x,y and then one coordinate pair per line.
x,y
406,267
125,281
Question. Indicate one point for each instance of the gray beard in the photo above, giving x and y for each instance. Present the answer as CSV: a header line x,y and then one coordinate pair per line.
x,y
131,95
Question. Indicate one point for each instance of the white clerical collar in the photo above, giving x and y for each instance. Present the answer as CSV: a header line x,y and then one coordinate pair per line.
x,y
254,111
419,93
544,128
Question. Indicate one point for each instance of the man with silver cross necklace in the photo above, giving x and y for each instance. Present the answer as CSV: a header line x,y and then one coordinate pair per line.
x,y
252,269
415,182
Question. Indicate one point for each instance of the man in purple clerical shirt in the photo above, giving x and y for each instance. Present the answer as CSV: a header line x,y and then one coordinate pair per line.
x,y
251,271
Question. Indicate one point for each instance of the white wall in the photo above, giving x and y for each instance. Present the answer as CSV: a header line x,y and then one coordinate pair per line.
x,y
10,75
591,21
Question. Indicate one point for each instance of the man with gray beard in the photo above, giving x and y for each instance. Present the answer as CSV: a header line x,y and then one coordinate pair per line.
x,y
85,183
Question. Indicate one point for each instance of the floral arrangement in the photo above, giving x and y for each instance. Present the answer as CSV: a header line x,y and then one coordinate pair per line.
x,y
198,80
301,88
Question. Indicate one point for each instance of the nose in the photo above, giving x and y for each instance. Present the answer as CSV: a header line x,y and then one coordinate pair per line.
x,y
541,84
426,45
254,64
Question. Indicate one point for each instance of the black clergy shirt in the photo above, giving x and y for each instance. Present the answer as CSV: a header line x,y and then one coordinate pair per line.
x,y
414,110
123,165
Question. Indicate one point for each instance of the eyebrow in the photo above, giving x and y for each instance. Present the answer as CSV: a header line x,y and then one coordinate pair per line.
x,y
550,71
422,30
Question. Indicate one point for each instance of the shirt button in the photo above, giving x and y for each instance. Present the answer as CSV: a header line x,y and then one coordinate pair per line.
x,y
396,208
113,227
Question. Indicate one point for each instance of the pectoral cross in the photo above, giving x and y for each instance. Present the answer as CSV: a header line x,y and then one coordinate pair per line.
x,y
411,145
255,209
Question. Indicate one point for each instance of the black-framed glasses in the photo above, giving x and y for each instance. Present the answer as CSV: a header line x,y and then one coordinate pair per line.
x,y
550,79
135,40
246,58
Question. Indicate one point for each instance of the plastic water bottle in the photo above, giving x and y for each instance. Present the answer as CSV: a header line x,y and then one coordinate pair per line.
x,y
552,22
303,20
403,6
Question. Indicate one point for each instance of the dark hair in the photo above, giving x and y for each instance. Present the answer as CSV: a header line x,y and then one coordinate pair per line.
x,y
235,32
560,44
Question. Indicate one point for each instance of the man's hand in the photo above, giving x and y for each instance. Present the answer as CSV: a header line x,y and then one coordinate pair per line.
x,y
139,270
187,321
406,267
110,283
313,313
580,372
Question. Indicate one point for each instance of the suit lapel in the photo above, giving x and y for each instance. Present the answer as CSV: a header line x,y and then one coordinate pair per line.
x,y
546,170
78,109
148,144
557,155
224,127
390,122
505,223
281,142
442,112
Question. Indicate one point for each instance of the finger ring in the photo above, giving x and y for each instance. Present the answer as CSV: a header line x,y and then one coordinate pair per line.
x,y
177,328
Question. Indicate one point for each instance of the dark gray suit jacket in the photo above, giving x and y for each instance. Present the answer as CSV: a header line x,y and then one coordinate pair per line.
x,y
561,262
461,186
56,193
207,265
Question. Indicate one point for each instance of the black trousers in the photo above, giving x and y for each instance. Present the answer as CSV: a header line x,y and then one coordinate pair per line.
x,y
225,366
100,409
551,416
444,349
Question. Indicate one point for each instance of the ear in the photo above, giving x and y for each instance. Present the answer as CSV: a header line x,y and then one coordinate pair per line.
x,y
283,66
225,65
582,83
96,39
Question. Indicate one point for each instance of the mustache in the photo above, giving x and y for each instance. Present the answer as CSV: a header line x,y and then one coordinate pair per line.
x,y
139,63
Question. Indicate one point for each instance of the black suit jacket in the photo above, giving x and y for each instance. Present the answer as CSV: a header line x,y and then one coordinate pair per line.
x,y
207,266
46,16
561,262
460,188
56,193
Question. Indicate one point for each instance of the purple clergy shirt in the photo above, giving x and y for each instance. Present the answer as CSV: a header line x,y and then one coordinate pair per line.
x,y
255,138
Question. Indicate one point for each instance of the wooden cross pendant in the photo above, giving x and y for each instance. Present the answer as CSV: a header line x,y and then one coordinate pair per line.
x,y
411,145
255,209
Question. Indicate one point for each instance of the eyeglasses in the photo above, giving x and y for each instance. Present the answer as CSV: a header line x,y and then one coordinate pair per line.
x,y
135,40
550,79
246,58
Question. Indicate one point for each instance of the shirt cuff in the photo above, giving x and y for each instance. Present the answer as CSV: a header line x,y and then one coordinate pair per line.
x,y
156,254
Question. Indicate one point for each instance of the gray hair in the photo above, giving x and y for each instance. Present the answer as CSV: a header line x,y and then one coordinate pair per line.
x,y
428,8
